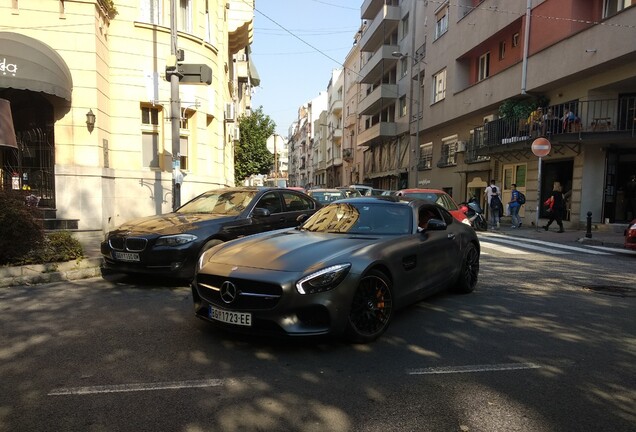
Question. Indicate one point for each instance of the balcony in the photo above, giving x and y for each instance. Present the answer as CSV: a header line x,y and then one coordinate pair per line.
x,y
377,133
336,106
370,8
380,62
594,121
380,97
384,23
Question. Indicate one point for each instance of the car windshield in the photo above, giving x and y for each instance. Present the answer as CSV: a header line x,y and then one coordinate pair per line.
x,y
362,218
229,203
437,198
328,196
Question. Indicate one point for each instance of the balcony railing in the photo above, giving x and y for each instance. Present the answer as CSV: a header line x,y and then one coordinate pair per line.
x,y
588,119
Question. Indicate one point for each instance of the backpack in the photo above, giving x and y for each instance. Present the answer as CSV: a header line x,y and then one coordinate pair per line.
x,y
521,198
495,202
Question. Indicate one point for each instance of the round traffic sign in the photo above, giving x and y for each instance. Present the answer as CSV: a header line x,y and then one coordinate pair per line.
x,y
541,147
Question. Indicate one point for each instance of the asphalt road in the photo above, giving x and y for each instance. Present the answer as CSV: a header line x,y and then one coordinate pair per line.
x,y
546,343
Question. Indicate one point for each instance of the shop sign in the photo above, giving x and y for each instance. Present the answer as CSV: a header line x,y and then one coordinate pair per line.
x,y
5,67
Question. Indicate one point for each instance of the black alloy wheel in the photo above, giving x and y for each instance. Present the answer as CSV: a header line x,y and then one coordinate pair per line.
x,y
371,309
469,273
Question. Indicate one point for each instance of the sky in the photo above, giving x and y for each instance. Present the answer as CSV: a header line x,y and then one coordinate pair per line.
x,y
296,46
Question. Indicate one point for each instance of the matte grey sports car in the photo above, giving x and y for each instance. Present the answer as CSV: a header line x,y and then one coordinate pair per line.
x,y
344,271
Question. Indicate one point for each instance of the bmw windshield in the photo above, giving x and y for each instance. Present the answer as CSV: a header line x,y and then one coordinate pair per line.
x,y
229,203
362,218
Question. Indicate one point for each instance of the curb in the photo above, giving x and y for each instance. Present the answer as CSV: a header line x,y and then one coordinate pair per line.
x,y
51,272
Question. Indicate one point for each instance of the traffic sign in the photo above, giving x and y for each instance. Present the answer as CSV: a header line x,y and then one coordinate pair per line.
x,y
541,147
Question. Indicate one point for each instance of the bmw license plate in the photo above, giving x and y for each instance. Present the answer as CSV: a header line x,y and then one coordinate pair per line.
x,y
126,256
236,318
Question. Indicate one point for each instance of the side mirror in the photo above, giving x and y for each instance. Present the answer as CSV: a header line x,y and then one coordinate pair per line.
x,y
436,225
259,212
302,218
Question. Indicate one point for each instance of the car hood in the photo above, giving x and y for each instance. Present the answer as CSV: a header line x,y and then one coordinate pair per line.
x,y
171,223
291,250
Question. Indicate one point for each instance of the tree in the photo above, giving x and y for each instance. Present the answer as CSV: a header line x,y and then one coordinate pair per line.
x,y
251,155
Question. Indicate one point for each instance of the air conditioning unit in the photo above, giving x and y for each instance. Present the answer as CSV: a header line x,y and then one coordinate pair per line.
x,y
236,134
490,118
229,112
461,146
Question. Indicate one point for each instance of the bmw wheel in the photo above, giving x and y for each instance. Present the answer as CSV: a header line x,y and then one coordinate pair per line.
x,y
469,272
371,309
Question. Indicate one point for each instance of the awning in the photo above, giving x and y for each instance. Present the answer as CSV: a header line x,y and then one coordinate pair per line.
x,y
7,133
28,64
254,78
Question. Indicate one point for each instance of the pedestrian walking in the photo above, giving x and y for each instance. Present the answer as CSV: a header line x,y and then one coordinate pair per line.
x,y
495,205
514,206
556,207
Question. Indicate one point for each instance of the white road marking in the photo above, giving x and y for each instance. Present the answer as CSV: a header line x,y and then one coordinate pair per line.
x,y
488,245
125,388
521,242
472,368
616,250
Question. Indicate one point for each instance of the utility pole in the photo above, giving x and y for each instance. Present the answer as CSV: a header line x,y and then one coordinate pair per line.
x,y
175,112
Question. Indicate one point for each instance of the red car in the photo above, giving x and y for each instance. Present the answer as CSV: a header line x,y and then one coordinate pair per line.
x,y
439,197
630,236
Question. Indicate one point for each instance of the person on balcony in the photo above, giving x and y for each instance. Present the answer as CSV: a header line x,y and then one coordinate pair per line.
x,y
534,121
571,122
549,123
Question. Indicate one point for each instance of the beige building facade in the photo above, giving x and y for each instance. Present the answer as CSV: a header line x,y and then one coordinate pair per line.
x,y
94,125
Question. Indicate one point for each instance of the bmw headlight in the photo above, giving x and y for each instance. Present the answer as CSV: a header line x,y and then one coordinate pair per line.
x,y
466,221
175,240
323,280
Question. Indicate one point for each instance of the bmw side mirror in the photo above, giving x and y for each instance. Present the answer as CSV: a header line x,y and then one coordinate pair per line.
x,y
260,212
302,218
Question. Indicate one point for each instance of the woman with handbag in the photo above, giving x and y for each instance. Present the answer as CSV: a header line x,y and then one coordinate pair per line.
x,y
556,205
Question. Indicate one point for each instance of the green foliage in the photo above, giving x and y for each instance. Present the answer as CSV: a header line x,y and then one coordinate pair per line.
x,y
251,155
521,108
58,246
20,227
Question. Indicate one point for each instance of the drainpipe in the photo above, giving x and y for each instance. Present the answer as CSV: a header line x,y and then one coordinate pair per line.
x,y
526,42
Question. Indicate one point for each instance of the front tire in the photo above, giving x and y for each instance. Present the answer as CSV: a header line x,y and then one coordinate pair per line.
x,y
371,309
468,275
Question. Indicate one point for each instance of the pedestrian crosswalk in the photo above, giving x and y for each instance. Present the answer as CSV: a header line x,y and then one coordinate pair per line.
x,y
503,244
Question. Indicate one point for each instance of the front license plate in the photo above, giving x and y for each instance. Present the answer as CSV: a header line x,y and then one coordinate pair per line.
x,y
126,256
237,318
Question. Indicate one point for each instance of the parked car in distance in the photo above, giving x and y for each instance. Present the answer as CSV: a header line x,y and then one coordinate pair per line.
x,y
437,196
350,192
344,271
630,236
369,191
170,244
297,188
325,196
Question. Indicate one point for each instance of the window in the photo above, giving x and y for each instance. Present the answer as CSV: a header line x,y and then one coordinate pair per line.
x,y
439,86
449,151
515,39
441,21
402,106
150,149
150,136
405,26
502,50
484,67
426,157
612,7
150,11
404,65
150,116
185,16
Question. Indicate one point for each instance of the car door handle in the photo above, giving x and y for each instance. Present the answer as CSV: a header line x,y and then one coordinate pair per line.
x,y
451,236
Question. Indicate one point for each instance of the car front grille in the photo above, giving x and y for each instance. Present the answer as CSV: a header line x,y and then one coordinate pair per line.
x,y
250,294
131,244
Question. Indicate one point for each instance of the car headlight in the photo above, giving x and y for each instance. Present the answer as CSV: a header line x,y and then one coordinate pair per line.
x,y
466,221
323,280
175,240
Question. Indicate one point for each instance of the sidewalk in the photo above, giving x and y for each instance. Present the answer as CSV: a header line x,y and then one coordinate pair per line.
x,y
610,235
